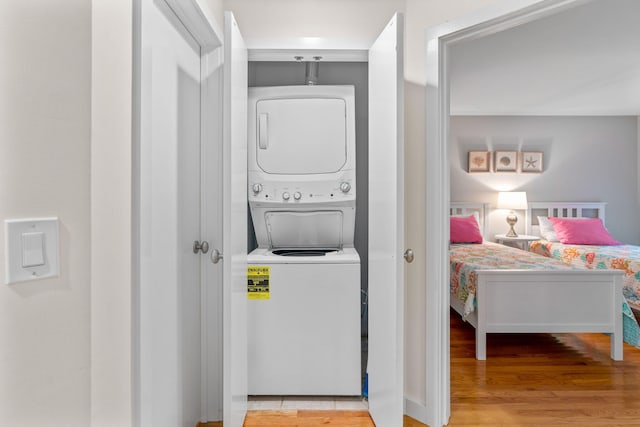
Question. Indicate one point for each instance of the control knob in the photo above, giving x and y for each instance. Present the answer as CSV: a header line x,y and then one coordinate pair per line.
x,y
297,195
345,187
286,195
256,188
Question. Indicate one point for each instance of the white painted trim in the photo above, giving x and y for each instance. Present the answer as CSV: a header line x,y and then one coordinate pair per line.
x,y
203,29
328,55
415,410
504,15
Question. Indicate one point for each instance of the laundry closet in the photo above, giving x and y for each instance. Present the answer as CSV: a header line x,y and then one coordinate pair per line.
x,y
308,233
361,222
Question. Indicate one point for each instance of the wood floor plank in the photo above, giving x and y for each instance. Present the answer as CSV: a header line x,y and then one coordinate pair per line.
x,y
308,418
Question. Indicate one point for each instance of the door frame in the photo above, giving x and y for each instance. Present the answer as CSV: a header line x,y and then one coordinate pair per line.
x,y
439,39
384,396
205,30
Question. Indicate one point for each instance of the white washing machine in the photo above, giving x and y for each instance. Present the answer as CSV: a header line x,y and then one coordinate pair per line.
x,y
304,318
305,339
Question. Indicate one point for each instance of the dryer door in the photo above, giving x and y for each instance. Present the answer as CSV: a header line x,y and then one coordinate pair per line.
x,y
301,135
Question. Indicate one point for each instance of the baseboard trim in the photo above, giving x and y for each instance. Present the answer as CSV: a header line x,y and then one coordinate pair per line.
x,y
415,410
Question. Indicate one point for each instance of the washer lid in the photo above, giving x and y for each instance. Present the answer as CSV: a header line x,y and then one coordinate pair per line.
x,y
301,135
315,229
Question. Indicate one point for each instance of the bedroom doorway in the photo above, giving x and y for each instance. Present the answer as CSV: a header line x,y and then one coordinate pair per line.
x,y
488,21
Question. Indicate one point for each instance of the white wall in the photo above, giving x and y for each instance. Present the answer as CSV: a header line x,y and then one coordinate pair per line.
x,y
214,10
111,204
45,82
422,14
585,159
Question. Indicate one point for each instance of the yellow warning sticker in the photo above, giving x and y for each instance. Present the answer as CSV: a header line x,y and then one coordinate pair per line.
x,y
258,277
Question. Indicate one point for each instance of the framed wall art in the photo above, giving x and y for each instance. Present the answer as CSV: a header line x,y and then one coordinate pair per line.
x,y
531,162
505,161
479,161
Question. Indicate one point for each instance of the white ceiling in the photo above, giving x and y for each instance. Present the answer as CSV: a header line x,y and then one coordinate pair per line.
x,y
583,61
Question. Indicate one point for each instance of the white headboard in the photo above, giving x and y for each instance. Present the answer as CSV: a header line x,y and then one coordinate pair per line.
x,y
562,210
468,208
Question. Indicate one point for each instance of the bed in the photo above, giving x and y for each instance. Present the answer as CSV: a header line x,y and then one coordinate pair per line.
x,y
529,294
622,257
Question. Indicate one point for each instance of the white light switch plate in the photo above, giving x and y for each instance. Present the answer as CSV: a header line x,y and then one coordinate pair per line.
x,y
31,249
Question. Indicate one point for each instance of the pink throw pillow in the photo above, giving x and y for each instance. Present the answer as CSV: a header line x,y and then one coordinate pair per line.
x,y
588,231
464,230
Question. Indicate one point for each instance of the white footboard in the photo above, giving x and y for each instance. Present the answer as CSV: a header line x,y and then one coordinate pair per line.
x,y
547,301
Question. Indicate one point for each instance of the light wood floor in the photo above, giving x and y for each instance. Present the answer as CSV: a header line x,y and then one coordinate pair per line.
x,y
543,380
311,419
527,380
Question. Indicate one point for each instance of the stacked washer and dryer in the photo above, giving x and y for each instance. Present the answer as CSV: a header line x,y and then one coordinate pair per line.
x,y
304,335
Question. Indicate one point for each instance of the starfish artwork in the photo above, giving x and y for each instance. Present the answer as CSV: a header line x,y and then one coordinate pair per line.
x,y
531,163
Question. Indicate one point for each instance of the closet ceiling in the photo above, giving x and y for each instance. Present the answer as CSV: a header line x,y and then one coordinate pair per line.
x,y
583,61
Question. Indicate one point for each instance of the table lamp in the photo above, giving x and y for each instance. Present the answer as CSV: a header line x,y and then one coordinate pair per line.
x,y
512,200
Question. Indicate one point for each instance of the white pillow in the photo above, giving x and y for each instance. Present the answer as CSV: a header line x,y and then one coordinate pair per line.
x,y
546,229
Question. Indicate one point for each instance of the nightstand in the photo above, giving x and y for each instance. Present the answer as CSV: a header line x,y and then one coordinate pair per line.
x,y
521,241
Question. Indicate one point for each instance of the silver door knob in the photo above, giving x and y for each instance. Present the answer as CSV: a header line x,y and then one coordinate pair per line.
x,y
216,256
202,247
408,255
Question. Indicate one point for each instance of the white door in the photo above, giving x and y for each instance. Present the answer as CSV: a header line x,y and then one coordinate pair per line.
x,y
169,366
211,220
235,226
386,226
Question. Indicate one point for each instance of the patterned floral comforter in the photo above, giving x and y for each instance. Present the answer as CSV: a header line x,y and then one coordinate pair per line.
x,y
623,257
466,259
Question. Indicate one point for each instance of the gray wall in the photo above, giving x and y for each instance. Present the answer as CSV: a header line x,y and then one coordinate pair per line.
x,y
586,159
334,73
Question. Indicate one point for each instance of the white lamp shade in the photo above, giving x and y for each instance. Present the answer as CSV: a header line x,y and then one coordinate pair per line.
x,y
512,200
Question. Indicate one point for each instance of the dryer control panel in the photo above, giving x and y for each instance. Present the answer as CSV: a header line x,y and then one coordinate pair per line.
x,y
296,192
